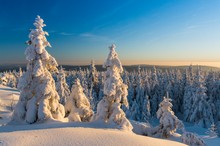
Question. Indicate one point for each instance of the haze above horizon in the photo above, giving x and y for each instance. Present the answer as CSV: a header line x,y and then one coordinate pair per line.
x,y
159,32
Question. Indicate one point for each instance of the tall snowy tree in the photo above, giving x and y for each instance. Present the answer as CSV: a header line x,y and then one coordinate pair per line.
x,y
146,109
210,79
39,99
176,91
154,94
115,93
93,85
135,111
100,86
77,105
17,75
188,94
62,87
214,101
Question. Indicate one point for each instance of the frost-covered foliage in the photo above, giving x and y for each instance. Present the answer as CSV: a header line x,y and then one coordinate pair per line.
x,y
93,89
9,79
201,112
212,131
192,139
214,99
141,111
168,121
39,99
188,93
147,86
154,91
77,106
115,94
62,87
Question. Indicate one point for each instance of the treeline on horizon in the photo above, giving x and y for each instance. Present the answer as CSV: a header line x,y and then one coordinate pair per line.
x,y
129,68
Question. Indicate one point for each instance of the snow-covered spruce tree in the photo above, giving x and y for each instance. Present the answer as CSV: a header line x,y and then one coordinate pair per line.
x,y
140,94
82,76
18,75
201,111
101,87
176,91
188,93
154,93
93,89
214,101
168,121
146,109
77,105
9,79
212,131
135,111
39,99
141,99
62,87
210,80
115,94
192,139
130,95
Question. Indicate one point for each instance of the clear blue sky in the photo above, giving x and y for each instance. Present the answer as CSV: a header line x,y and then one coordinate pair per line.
x,y
144,31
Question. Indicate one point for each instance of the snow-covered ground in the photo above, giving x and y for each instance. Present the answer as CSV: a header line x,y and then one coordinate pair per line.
x,y
73,133
77,134
8,99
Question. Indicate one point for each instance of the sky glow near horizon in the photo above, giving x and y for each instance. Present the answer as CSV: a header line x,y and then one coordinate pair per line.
x,y
160,32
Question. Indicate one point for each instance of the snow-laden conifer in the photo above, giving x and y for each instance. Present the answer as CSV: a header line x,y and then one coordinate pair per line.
x,y
154,93
39,99
212,131
201,111
115,93
93,89
168,121
62,87
77,105
188,94
192,139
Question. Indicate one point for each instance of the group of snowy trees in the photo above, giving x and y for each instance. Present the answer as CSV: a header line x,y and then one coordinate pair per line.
x,y
10,79
41,99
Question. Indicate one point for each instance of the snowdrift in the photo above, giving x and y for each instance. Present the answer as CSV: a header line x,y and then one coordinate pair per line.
x,y
63,135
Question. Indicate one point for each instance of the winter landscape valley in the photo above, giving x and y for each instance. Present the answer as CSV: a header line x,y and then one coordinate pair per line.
x,y
132,73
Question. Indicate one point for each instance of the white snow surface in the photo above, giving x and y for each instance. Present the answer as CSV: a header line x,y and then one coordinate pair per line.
x,y
74,134
8,98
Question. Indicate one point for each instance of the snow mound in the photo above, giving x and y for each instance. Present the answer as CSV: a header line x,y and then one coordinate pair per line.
x,y
45,135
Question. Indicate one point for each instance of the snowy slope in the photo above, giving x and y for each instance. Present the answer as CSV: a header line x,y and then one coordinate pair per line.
x,y
8,98
78,136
